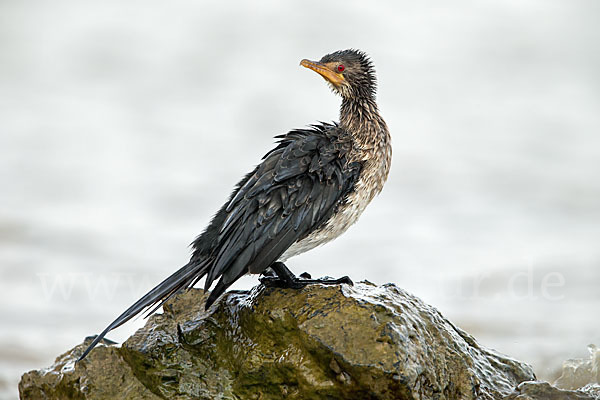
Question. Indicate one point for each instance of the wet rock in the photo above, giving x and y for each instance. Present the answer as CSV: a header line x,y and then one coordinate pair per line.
x,y
104,376
579,372
334,342
544,391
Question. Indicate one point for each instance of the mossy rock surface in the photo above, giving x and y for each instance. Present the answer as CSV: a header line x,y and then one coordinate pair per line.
x,y
320,342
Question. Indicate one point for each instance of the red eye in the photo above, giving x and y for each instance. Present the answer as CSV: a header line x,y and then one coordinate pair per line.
x,y
341,68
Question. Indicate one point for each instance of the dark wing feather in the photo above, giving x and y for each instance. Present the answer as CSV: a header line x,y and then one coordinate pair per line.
x,y
293,191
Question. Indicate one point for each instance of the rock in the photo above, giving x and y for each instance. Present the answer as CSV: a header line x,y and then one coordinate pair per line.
x,y
334,342
579,372
104,376
544,391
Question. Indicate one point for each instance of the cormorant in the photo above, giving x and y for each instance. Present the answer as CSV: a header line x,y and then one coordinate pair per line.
x,y
305,192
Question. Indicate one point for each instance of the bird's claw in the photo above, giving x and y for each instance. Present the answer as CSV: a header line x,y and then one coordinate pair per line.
x,y
269,273
278,275
331,281
346,279
272,281
302,281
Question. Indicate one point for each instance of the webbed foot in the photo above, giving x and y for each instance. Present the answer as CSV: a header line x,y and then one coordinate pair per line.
x,y
282,277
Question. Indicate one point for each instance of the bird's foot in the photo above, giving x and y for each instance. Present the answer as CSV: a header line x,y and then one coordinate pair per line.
x,y
298,283
282,277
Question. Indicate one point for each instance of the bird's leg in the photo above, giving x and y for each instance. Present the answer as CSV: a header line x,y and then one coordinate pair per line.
x,y
286,279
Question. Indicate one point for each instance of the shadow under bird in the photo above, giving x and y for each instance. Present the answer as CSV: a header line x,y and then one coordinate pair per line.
x,y
305,192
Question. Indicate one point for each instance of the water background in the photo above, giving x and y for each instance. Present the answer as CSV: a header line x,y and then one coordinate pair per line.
x,y
125,124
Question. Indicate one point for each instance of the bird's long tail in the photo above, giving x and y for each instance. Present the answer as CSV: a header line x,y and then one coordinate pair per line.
x,y
185,277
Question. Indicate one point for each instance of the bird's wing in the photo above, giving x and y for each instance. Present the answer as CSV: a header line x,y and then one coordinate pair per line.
x,y
293,191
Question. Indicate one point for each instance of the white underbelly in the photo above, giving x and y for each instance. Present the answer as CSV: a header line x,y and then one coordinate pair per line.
x,y
346,215
375,169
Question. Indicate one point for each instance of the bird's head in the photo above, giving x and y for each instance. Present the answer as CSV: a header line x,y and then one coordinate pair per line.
x,y
349,73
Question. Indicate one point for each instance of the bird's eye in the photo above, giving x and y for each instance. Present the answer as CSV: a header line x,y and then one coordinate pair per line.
x,y
341,68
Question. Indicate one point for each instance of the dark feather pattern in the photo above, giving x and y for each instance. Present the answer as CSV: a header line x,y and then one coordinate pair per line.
x,y
295,189
288,203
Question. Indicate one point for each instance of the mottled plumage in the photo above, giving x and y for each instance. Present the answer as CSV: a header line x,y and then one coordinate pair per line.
x,y
306,191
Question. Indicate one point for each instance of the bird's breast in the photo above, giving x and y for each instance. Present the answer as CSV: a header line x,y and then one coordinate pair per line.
x,y
374,172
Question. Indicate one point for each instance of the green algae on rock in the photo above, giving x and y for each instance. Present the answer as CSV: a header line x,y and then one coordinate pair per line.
x,y
320,342
105,376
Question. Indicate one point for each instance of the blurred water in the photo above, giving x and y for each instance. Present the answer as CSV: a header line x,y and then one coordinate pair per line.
x,y
123,126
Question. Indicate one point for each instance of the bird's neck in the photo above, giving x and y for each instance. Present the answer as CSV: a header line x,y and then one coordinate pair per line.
x,y
360,117
371,145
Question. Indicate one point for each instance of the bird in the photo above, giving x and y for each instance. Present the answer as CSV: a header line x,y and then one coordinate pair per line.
x,y
309,189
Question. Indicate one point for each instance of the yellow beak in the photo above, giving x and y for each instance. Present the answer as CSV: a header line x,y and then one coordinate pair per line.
x,y
325,71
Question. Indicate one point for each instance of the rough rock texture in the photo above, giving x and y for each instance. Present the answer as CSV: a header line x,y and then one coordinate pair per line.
x,y
544,391
579,372
105,376
321,342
